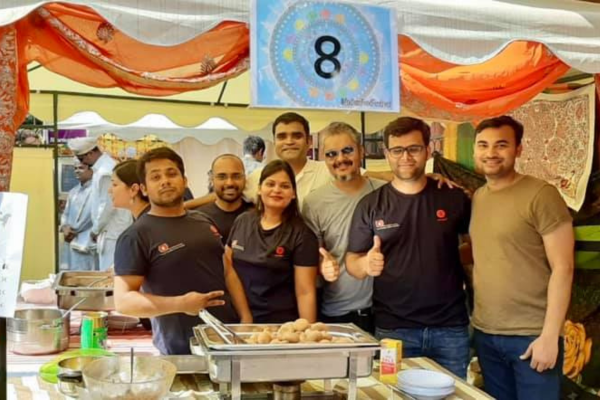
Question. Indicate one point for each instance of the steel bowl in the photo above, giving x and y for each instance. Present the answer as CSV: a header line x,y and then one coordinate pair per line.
x,y
37,331
70,376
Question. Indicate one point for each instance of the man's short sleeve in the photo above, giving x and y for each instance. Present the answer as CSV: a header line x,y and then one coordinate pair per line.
x,y
311,218
306,251
251,189
549,210
234,229
130,255
360,239
465,217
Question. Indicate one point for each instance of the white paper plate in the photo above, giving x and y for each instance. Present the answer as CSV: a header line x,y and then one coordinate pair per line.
x,y
425,379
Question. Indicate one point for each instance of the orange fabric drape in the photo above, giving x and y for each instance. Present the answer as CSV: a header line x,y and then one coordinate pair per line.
x,y
437,89
13,100
76,42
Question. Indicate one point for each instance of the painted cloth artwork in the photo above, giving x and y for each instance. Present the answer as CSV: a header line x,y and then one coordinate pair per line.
x,y
558,144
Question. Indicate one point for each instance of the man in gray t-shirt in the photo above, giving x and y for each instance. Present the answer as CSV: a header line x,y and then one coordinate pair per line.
x,y
328,212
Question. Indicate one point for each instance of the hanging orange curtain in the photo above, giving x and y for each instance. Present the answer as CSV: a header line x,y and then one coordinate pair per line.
x,y
75,42
14,95
437,89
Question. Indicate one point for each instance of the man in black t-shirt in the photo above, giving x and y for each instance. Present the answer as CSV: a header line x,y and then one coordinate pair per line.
x,y
406,235
175,258
228,180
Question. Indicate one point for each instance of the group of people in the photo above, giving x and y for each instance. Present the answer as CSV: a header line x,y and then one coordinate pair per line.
x,y
89,223
325,240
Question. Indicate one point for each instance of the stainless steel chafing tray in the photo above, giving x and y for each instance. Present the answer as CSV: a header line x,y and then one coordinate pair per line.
x,y
213,341
188,363
237,363
94,286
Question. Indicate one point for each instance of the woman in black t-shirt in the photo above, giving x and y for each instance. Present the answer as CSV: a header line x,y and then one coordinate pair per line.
x,y
125,190
274,253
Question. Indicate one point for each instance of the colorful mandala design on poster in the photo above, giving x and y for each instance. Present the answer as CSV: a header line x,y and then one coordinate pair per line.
x,y
324,52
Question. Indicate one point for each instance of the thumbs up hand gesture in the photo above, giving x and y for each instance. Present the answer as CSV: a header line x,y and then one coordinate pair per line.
x,y
375,258
330,269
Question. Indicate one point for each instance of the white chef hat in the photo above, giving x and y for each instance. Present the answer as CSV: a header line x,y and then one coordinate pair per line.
x,y
81,146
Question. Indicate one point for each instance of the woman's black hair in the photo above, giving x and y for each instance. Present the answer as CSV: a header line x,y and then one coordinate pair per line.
x,y
275,166
127,172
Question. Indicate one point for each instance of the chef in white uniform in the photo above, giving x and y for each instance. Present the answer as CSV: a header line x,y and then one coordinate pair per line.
x,y
107,222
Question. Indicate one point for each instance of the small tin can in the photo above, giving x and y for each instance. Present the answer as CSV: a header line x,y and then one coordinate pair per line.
x,y
94,330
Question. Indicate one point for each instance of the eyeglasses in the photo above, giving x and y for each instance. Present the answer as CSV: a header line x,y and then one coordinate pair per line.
x,y
224,177
346,151
412,151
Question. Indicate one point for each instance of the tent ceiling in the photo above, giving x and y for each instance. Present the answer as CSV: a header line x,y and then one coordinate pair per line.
x,y
461,32
237,90
209,133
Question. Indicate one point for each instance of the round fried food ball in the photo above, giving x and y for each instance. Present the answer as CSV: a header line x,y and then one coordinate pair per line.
x,y
292,337
301,324
264,338
326,335
313,336
319,326
287,327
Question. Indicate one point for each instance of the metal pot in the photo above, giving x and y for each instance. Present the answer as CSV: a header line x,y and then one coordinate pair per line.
x,y
70,376
38,331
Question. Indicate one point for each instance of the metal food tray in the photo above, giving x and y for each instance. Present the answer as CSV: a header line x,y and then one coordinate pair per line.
x,y
237,363
213,341
189,363
73,286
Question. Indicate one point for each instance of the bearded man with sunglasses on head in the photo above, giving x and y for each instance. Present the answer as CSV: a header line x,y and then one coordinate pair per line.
x,y
328,212
406,236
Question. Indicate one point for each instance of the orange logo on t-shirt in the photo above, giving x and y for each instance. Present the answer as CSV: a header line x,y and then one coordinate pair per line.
x,y
441,215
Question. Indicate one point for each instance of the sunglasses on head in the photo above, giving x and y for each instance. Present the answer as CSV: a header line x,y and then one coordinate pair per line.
x,y
346,151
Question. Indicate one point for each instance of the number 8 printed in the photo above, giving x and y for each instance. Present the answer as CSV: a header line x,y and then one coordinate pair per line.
x,y
331,57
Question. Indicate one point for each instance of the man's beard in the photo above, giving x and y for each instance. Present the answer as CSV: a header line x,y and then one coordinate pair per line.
x,y
221,196
175,202
349,176
414,175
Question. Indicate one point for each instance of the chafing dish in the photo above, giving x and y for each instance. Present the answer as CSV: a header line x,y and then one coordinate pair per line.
x,y
234,363
94,286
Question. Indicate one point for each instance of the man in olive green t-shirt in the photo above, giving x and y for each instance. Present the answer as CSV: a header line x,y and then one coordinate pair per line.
x,y
522,238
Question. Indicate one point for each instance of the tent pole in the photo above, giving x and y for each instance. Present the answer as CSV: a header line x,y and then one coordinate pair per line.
x,y
222,93
362,137
55,178
149,99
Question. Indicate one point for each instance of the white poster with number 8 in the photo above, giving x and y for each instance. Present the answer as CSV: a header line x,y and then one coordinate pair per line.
x,y
324,55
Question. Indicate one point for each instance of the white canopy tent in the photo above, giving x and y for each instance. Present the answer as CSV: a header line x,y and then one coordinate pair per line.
x,y
197,146
461,32
209,133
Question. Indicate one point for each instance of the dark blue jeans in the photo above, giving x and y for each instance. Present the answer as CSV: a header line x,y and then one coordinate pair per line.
x,y
449,347
507,377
